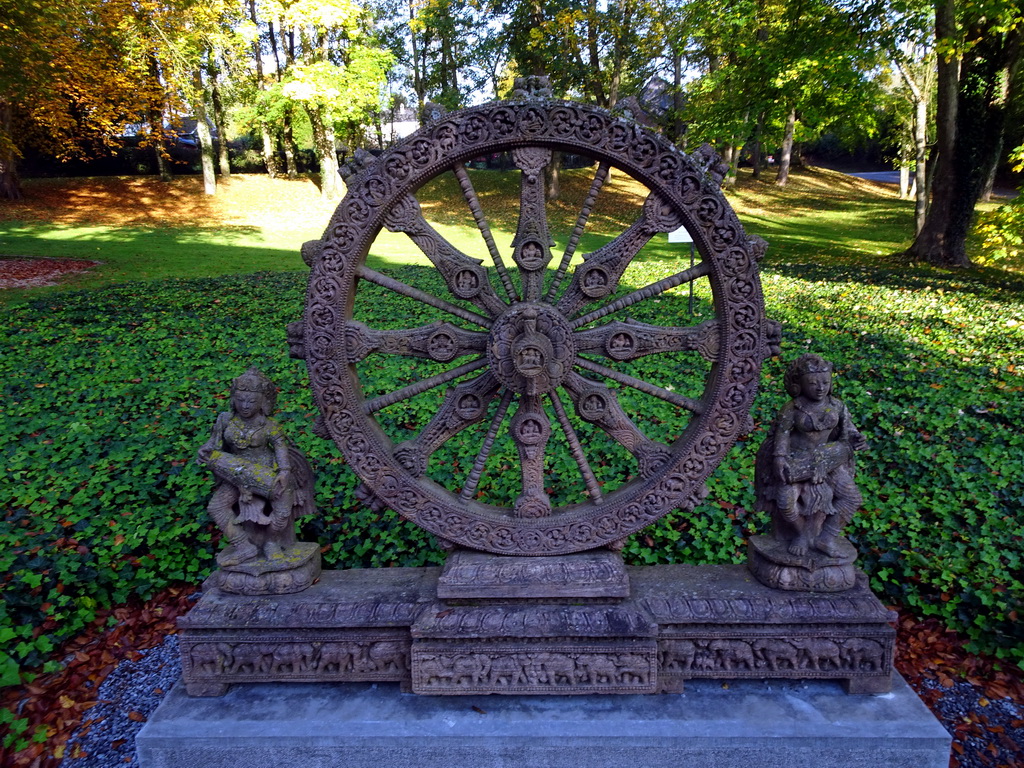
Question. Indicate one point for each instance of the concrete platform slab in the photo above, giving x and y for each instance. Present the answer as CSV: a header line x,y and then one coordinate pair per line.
x,y
799,724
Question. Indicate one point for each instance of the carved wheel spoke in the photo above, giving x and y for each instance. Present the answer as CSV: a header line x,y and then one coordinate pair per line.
x,y
531,430
473,479
485,230
599,274
642,294
581,222
641,386
463,406
372,406
442,342
598,405
532,244
465,277
404,289
525,359
593,487
631,340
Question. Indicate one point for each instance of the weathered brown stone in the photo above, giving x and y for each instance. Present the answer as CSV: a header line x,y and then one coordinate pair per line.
x,y
469,575
681,622
804,479
539,345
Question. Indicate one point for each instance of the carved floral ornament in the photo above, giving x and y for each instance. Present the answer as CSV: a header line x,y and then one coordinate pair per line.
x,y
516,352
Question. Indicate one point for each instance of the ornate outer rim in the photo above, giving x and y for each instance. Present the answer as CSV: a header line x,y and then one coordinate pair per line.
x,y
718,236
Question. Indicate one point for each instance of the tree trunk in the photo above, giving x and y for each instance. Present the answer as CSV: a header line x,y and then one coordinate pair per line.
x,y
269,142
990,173
904,177
755,146
418,86
551,176
931,244
156,121
270,151
323,140
291,151
977,131
223,161
10,184
730,156
920,158
787,150
678,126
920,93
205,137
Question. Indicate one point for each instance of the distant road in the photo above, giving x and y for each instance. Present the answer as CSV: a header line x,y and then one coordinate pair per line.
x,y
886,177
893,177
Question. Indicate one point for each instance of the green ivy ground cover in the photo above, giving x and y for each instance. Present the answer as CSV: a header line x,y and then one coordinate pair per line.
x,y
106,395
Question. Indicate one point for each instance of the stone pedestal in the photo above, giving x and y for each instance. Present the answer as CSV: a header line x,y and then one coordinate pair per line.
x,y
469,575
748,723
679,623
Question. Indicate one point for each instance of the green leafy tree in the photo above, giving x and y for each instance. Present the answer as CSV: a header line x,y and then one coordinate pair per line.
x,y
775,73
65,85
979,47
593,50
334,71
1002,230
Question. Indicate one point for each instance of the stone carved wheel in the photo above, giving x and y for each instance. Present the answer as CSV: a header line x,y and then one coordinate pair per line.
x,y
534,347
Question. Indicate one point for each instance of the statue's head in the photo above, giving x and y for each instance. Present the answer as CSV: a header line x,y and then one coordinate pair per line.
x,y
252,382
808,363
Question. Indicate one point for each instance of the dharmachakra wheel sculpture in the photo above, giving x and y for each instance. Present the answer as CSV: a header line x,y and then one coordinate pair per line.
x,y
523,350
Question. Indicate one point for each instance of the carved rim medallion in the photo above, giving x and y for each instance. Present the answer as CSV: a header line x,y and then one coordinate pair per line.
x,y
525,346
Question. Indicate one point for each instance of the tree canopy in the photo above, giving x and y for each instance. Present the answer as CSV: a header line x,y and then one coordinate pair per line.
x,y
752,77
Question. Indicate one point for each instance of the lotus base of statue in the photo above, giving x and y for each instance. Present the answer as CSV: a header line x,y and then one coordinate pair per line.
x,y
294,569
775,566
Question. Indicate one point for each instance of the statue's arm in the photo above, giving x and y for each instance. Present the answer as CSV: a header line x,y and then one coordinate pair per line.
x,y
280,445
216,440
784,424
850,433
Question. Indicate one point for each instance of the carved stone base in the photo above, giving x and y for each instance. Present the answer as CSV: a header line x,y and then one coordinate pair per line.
x,y
557,666
537,649
350,626
680,623
774,566
469,575
293,570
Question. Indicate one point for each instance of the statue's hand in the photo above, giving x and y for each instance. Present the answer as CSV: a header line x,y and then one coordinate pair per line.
x,y
857,442
782,469
204,453
282,481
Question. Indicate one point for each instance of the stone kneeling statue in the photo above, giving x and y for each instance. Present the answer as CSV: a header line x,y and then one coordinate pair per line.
x,y
263,485
804,478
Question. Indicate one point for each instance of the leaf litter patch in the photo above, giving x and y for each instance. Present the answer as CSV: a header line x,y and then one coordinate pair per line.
x,y
34,273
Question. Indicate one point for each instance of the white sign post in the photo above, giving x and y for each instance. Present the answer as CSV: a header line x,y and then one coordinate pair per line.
x,y
681,235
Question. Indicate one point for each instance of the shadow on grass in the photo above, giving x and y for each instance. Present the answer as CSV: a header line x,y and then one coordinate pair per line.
x,y
982,282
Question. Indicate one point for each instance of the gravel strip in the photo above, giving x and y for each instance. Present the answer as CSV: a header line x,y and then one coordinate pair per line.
x,y
984,728
127,698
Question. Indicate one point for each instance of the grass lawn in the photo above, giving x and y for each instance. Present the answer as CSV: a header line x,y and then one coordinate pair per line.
x,y
141,229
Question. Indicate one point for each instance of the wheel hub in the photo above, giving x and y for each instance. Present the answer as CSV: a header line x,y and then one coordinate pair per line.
x,y
531,349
